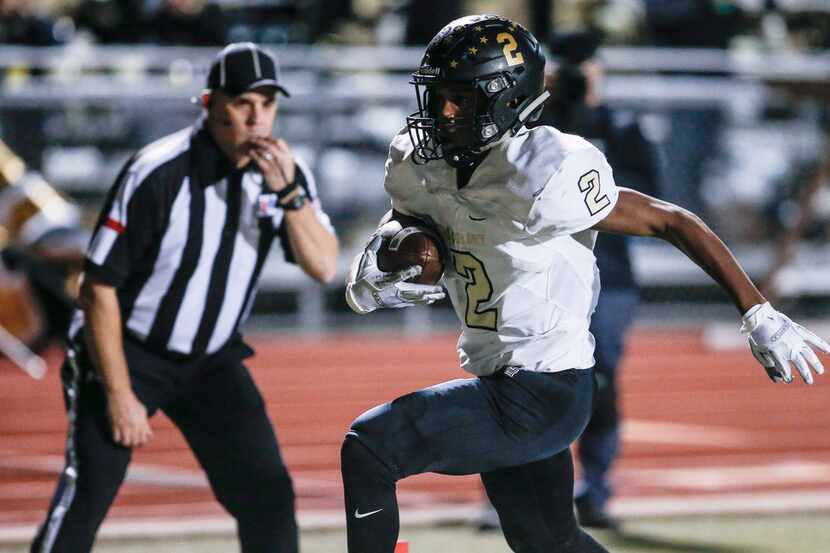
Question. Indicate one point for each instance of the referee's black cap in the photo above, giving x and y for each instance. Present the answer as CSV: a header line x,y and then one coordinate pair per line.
x,y
243,66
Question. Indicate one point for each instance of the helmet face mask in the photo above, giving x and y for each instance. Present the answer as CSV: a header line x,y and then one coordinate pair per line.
x,y
481,77
455,110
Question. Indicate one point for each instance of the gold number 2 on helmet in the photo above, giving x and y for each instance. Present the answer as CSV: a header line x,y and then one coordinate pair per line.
x,y
513,57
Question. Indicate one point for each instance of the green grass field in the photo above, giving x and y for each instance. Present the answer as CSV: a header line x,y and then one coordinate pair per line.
x,y
784,533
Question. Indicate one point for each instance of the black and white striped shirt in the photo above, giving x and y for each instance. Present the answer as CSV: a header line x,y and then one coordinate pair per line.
x,y
181,238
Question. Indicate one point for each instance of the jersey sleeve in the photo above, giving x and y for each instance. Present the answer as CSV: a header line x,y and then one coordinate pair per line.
x,y
577,196
126,229
391,182
398,180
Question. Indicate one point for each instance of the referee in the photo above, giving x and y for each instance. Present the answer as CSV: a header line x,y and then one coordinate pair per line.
x,y
171,272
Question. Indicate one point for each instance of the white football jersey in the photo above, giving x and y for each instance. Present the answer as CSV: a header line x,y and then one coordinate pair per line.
x,y
522,278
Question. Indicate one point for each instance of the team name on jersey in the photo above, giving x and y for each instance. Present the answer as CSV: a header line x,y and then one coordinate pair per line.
x,y
466,239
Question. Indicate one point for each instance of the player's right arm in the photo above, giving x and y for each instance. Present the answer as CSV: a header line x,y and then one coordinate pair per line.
x,y
104,339
368,288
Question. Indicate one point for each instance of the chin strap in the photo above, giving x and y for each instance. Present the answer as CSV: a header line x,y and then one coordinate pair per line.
x,y
533,106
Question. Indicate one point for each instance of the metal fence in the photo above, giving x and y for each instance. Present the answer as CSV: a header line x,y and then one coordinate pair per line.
x,y
735,131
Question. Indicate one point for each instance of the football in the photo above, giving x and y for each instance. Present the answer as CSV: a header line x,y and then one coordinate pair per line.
x,y
404,246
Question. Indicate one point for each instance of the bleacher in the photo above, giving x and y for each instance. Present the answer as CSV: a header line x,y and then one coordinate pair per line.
x,y
77,112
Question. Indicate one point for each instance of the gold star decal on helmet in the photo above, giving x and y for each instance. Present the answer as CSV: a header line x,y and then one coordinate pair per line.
x,y
477,28
473,50
453,64
483,40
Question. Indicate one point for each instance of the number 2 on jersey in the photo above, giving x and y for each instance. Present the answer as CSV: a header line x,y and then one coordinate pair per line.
x,y
590,185
479,290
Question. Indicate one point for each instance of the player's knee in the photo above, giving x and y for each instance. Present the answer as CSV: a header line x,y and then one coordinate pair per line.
x,y
357,461
353,454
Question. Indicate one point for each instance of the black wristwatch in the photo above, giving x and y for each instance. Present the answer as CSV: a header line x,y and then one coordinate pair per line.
x,y
295,203
288,189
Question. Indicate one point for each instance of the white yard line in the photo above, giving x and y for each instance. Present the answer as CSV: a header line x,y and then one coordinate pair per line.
x,y
624,508
724,478
644,431
731,503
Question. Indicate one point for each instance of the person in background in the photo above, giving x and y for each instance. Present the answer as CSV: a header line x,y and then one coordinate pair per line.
x,y
111,22
187,23
20,24
424,18
170,275
810,207
693,23
42,241
576,107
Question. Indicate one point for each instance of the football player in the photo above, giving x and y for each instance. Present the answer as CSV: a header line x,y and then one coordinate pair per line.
x,y
41,256
519,210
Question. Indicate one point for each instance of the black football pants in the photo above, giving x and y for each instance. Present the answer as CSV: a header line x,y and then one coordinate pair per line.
x,y
514,430
221,414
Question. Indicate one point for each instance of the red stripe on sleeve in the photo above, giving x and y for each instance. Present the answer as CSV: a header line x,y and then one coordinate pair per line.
x,y
114,225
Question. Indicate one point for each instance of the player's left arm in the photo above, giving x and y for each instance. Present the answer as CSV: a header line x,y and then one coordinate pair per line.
x,y
775,340
637,214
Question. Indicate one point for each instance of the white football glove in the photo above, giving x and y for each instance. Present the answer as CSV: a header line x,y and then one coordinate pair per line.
x,y
776,342
369,288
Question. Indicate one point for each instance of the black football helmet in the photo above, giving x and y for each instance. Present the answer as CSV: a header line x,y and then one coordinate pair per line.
x,y
494,68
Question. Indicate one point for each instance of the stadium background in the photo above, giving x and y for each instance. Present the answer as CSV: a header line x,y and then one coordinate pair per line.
x,y
733,93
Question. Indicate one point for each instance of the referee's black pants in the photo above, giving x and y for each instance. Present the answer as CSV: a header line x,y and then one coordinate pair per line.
x,y
220,412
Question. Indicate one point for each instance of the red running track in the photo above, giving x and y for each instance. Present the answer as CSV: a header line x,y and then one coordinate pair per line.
x,y
700,424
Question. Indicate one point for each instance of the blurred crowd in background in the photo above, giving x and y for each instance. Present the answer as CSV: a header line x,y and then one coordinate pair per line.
x,y
739,120
797,24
